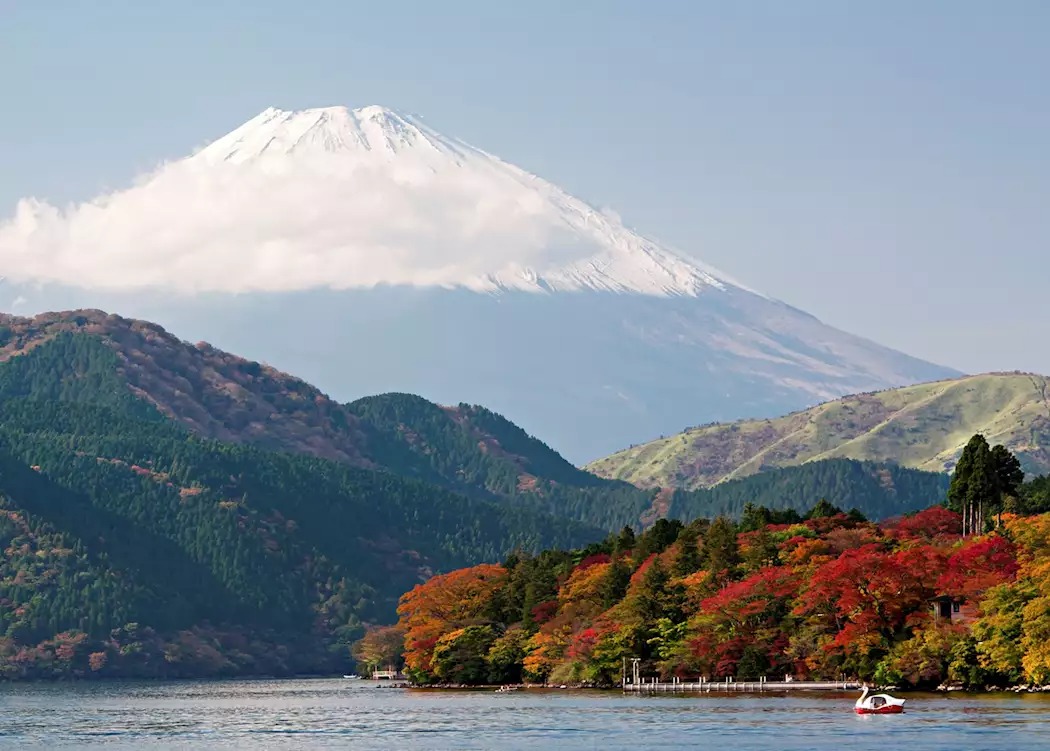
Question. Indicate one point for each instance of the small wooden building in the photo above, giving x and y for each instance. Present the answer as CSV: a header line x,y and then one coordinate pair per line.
x,y
953,609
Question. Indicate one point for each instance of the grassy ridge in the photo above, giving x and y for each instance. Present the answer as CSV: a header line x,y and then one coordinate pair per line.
x,y
923,427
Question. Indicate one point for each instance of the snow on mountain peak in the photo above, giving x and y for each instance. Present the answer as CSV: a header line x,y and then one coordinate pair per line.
x,y
341,198
275,132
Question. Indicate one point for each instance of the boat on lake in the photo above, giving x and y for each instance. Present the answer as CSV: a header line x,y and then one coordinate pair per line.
x,y
878,704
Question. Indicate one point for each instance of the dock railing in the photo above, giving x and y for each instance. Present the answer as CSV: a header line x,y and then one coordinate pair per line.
x,y
653,685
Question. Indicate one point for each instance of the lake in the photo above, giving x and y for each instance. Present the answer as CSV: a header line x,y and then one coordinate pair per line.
x,y
335,713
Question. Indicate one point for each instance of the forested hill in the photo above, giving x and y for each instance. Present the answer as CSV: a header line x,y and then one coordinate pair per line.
x,y
219,395
213,393
466,449
134,546
477,452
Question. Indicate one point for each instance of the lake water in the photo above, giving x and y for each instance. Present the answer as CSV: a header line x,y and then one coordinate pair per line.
x,y
319,714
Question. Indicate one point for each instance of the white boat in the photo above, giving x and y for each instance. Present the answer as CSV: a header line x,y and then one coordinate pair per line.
x,y
878,704
352,677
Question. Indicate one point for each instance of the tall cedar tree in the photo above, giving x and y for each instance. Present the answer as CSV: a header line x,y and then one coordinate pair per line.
x,y
983,479
966,480
614,585
687,560
1008,474
721,552
625,542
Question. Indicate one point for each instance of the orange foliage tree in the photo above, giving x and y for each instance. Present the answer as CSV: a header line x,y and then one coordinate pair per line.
x,y
442,604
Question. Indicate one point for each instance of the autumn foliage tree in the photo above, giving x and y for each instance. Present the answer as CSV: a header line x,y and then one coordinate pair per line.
x,y
442,606
820,596
863,598
381,645
744,629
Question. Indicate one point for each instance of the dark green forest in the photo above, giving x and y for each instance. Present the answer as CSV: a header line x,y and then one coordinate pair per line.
x,y
477,452
877,490
118,518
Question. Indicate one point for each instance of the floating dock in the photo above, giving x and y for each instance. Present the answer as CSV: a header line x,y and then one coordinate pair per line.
x,y
731,686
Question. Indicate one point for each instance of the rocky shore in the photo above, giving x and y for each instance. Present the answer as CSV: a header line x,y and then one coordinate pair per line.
x,y
1021,689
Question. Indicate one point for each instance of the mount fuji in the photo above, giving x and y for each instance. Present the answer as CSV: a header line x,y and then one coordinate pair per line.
x,y
366,252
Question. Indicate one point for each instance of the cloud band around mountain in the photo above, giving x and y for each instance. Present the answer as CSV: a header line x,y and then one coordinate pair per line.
x,y
339,198
288,225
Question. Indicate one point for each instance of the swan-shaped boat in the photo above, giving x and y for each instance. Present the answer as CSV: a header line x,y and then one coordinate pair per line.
x,y
878,704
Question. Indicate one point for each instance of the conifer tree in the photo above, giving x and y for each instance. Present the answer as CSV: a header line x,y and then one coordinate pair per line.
x,y
614,585
625,542
687,560
650,602
721,552
1008,476
976,488
823,508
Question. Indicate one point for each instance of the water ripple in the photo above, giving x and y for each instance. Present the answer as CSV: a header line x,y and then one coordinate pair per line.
x,y
318,714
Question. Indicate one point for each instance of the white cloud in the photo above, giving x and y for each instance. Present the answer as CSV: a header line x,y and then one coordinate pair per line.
x,y
336,220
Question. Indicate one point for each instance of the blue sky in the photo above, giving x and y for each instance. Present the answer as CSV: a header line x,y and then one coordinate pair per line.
x,y
885,167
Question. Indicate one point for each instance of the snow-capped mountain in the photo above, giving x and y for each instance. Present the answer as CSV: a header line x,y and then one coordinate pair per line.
x,y
366,251
575,247
598,252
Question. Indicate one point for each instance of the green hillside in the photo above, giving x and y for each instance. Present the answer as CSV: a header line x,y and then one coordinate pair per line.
x,y
476,452
923,427
214,394
131,541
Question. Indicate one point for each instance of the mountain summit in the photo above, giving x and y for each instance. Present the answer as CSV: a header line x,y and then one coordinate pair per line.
x,y
370,253
564,244
373,131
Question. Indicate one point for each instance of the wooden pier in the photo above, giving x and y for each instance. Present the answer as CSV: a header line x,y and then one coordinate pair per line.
x,y
732,686
388,675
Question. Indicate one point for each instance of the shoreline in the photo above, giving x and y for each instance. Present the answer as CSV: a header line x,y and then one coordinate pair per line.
x,y
778,692
747,687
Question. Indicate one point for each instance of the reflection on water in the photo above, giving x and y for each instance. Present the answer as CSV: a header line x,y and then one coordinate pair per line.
x,y
335,713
